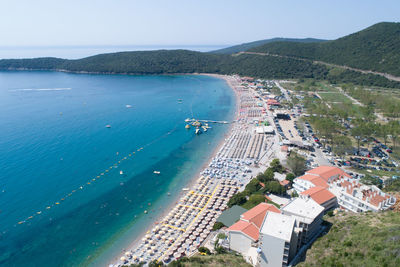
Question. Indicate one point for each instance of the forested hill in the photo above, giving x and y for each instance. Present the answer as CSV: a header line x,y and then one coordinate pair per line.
x,y
247,46
375,48
184,61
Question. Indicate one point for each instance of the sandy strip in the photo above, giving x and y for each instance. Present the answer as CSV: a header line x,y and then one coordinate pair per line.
x,y
230,81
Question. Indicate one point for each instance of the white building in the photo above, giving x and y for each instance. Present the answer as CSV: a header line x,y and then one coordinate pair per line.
x,y
244,234
350,193
278,240
308,215
357,197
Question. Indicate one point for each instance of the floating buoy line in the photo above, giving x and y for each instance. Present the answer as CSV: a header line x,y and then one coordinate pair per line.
x,y
92,180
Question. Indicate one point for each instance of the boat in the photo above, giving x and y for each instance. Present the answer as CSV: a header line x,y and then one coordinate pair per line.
x,y
156,172
121,172
108,126
185,189
187,120
204,128
180,101
187,126
128,106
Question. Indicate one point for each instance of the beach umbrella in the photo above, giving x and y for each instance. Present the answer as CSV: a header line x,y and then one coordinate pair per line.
x,y
128,254
123,259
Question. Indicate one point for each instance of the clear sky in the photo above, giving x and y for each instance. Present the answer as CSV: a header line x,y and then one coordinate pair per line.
x,y
186,22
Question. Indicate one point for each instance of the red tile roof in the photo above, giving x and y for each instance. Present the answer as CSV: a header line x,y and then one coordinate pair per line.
x,y
318,194
256,215
284,182
327,172
316,180
246,228
250,221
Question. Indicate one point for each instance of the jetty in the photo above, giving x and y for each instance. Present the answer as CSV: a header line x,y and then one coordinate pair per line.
x,y
206,121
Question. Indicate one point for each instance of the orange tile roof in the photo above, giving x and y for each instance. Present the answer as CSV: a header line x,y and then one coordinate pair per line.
x,y
318,194
316,180
326,172
284,182
246,228
256,215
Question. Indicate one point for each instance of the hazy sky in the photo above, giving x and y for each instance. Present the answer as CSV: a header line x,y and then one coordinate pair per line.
x,y
188,22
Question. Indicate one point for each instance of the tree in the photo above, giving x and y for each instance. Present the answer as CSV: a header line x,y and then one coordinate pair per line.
x,y
341,145
253,186
268,175
237,199
383,131
274,187
276,166
156,263
290,177
217,226
296,163
254,200
204,250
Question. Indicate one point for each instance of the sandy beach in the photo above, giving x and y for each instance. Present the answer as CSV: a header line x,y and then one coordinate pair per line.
x,y
186,223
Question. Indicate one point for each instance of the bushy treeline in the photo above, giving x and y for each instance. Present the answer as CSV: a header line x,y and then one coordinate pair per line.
x,y
375,48
185,61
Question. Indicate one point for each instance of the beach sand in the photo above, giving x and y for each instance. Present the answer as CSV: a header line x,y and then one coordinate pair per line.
x,y
231,82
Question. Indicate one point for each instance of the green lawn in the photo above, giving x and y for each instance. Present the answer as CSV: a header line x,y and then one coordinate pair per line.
x,y
334,97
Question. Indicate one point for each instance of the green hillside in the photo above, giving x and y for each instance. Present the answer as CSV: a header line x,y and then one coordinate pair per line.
x,y
368,239
247,46
364,48
375,48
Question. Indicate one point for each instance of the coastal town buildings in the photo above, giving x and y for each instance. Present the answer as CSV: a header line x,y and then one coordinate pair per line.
x,y
308,215
278,240
282,235
349,192
322,196
244,233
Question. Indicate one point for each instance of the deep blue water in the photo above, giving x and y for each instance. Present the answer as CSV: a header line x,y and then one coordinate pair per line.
x,y
53,143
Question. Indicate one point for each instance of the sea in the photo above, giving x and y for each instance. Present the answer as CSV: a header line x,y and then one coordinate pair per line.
x,y
78,154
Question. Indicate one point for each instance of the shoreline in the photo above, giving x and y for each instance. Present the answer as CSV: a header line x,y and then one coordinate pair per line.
x,y
196,177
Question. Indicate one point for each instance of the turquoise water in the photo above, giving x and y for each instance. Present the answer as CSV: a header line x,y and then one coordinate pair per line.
x,y
53,143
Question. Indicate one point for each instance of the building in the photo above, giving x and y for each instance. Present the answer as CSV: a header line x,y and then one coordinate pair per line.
x,y
278,240
319,176
244,234
350,193
230,216
308,215
322,196
357,197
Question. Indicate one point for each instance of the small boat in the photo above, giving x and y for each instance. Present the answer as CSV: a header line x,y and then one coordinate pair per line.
x,y
128,106
180,101
198,131
108,126
121,172
187,120
187,126
145,212
156,172
185,189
